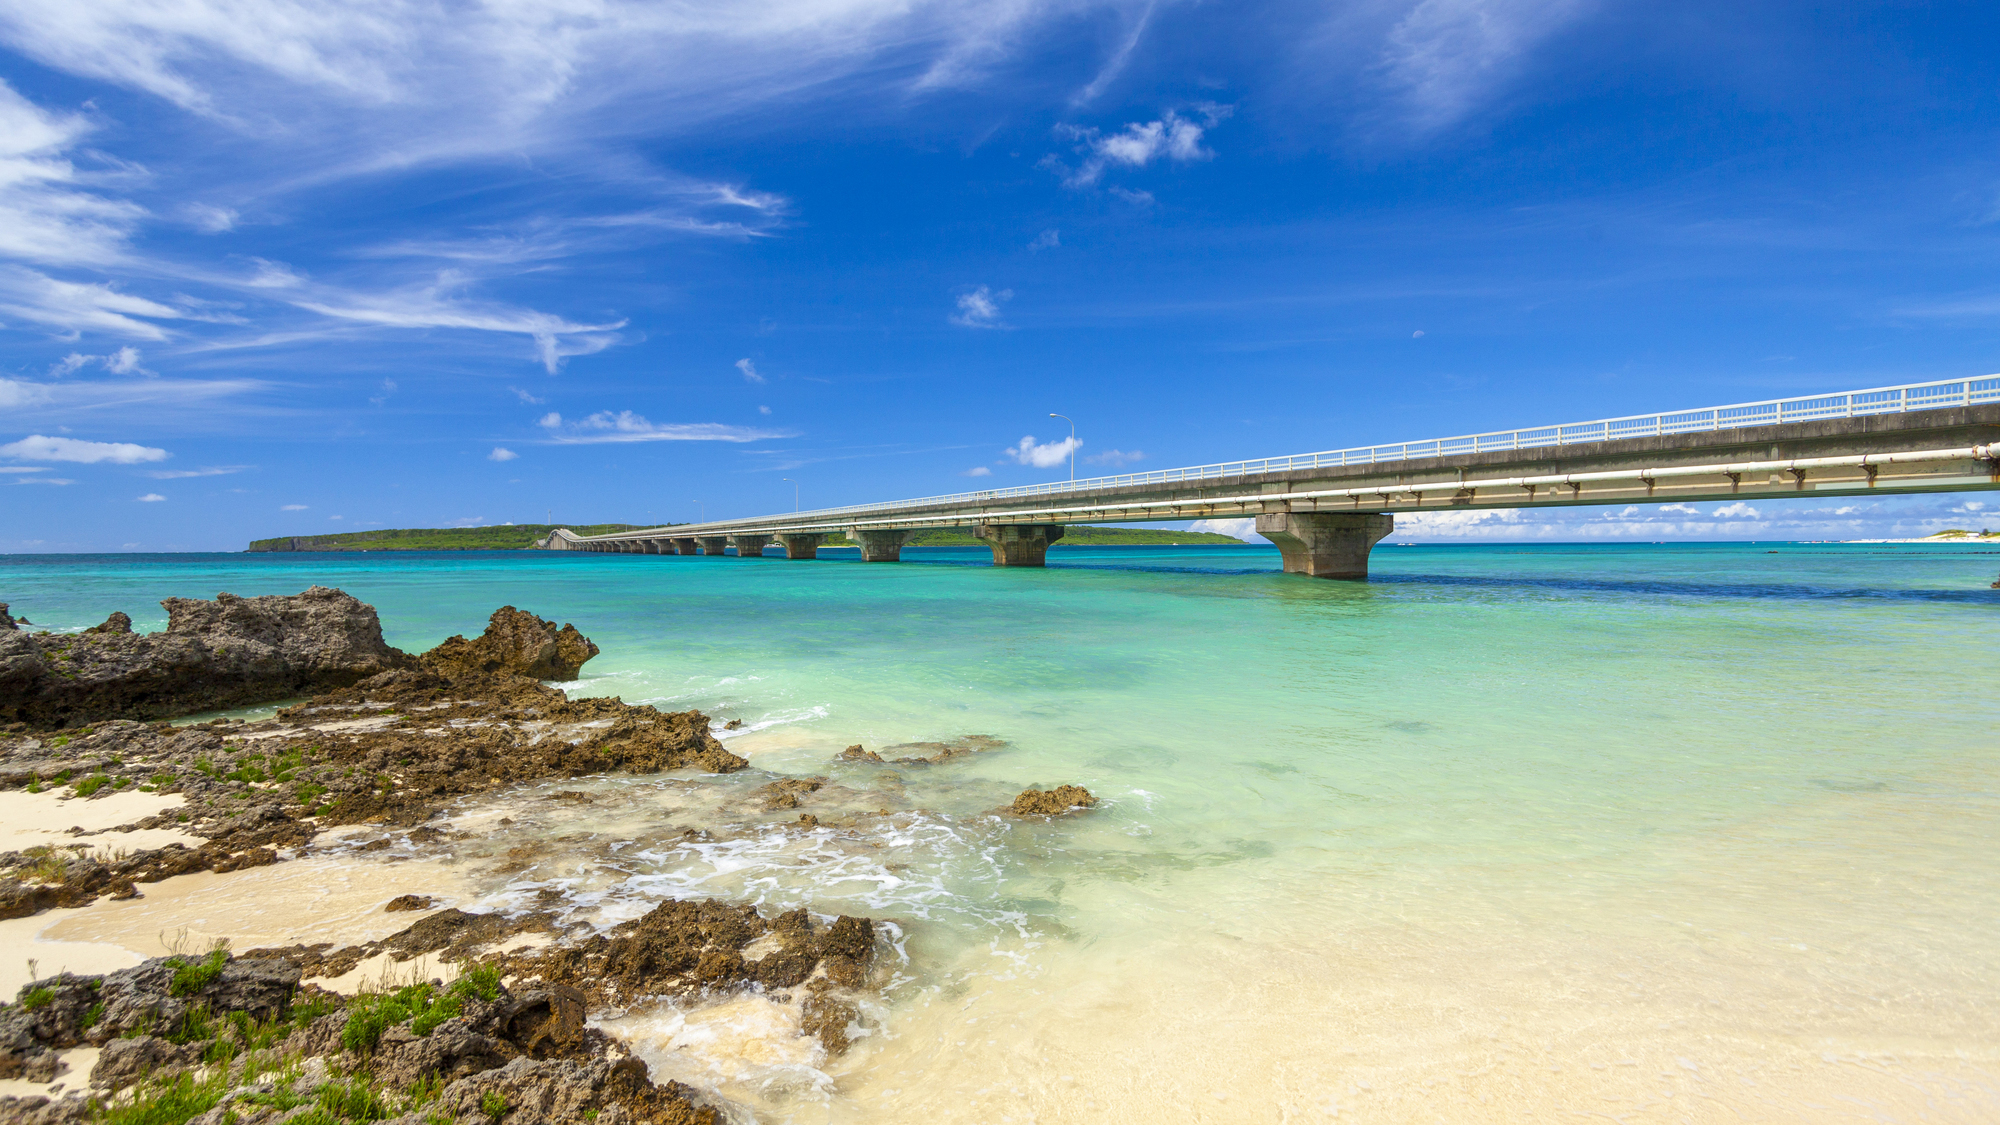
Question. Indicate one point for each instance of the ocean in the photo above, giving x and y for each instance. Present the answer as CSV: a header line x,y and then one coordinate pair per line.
x,y
1677,832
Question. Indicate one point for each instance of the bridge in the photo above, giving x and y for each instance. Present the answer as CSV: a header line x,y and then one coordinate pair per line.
x,y
1326,510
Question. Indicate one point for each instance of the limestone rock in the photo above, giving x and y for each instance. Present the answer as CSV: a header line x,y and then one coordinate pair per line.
x,y
514,643
225,653
409,902
125,1061
1052,802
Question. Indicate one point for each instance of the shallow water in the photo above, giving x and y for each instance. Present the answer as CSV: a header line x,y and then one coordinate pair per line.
x,y
1681,832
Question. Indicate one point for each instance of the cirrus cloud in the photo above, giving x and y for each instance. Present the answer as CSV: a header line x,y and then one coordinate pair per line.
x,y
39,447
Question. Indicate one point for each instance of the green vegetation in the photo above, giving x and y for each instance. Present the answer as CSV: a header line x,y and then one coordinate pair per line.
x,y
1961,533
370,1014
38,999
493,1104
91,785
506,537
1086,535
191,977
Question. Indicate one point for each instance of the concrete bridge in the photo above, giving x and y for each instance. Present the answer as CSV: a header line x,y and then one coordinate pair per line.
x,y
1326,510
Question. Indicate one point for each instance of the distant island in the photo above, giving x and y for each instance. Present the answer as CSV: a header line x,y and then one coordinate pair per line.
x,y
522,536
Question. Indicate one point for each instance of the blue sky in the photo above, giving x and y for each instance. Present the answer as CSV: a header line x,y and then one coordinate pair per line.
x,y
288,268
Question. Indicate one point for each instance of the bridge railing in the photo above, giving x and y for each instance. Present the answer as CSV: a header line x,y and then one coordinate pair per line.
x,y
1851,404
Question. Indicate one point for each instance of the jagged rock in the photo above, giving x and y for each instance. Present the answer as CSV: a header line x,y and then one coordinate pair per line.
x,y
118,622
225,653
409,902
6,620
125,1061
855,753
514,643
563,1090
38,1110
1052,802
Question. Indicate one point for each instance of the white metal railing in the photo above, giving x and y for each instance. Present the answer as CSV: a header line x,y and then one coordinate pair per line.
x,y
1849,404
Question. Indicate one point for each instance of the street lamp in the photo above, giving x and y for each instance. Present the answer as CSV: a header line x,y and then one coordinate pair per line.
x,y
704,511
1072,443
795,493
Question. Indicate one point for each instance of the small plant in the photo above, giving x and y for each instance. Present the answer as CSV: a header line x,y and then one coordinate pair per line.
x,y
207,767
91,785
169,1103
38,999
91,1017
35,786
493,1104
192,977
59,741
120,783
50,867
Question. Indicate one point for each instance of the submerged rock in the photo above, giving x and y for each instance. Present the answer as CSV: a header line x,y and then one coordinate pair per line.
x,y
1052,802
226,653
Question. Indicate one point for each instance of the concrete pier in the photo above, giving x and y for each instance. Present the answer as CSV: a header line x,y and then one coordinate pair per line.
x,y
1325,544
880,546
714,544
750,546
1019,544
685,546
801,546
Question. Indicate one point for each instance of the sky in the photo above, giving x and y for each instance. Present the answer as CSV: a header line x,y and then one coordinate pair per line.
x,y
287,268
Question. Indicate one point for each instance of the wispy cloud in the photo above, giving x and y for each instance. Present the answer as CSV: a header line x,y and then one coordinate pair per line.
x,y
625,426
981,308
1445,58
74,305
437,304
977,471
501,453
212,471
46,215
1116,458
292,508
749,371
151,498
1047,240
38,447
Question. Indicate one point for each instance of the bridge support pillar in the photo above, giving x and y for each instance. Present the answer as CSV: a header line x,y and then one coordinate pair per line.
x,y
1325,544
881,546
714,544
1019,544
650,546
801,546
685,546
750,546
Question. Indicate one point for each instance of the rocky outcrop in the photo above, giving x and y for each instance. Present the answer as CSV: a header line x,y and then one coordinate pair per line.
x,y
514,643
1051,802
226,653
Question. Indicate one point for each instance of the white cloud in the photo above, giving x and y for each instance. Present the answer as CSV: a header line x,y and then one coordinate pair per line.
x,y
212,471
15,394
435,305
74,305
1738,510
763,410
45,216
43,480
208,219
151,498
1116,458
524,396
1172,137
977,471
293,508
40,448
1047,240
749,371
550,420
501,454
625,426
1681,508
23,469
981,308
1417,335
1446,57
1244,528
1043,456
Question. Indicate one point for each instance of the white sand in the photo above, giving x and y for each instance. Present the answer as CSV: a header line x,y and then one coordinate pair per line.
x,y
22,941
77,1077
31,819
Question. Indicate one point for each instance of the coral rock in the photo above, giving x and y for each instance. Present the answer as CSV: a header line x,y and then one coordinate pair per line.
x,y
1052,802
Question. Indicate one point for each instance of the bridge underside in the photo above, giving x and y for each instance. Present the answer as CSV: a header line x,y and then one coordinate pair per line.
x,y
1324,520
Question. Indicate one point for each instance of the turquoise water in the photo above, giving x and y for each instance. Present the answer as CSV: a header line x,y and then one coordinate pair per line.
x,y
1675,831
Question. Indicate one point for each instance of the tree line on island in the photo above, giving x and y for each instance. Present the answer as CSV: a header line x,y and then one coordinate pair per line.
x,y
522,536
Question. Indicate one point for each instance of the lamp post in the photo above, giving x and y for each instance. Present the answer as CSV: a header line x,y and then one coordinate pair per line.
x,y
795,493
1072,443
704,511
